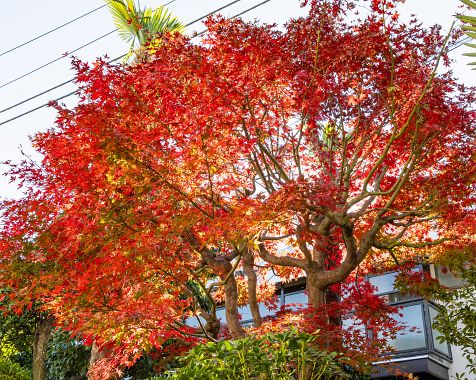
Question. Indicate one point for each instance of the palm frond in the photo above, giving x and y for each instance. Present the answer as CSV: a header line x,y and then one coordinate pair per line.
x,y
124,15
143,26
469,3
469,26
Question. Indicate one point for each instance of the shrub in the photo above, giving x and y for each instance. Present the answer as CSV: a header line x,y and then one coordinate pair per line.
x,y
67,357
284,356
13,371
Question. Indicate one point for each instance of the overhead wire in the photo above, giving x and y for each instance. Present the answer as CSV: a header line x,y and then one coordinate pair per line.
x,y
115,59
56,59
452,47
68,54
105,35
51,31
459,43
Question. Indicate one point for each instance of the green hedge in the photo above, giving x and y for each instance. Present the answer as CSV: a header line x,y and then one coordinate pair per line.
x,y
284,356
13,371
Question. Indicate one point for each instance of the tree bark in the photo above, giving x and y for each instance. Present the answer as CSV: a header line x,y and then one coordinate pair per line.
x,y
231,309
40,348
248,268
316,292
223,268
97,354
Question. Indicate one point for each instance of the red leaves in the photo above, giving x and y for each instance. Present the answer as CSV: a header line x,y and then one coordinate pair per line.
x,y
321,137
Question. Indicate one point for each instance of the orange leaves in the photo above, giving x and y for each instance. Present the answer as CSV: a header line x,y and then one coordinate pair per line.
x,y
318,137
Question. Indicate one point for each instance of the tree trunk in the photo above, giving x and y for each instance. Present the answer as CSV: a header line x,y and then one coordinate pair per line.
x,y
224,270
248,267
97,354
316,293
40,347
231,309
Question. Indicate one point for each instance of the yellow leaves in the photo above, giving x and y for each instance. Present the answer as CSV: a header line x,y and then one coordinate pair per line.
x,y
253,245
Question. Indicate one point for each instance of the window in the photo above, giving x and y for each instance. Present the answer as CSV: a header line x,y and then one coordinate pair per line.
x,y
385,286
264,311
221,314
351,322
413,337
298,299
193,322
245,313
384,283
442,347
447,278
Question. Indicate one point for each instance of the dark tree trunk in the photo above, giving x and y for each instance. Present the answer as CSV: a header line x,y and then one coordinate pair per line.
x,y
223,268
40,347
96,354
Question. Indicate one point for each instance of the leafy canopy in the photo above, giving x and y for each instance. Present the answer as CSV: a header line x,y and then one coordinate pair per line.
x,y
326,150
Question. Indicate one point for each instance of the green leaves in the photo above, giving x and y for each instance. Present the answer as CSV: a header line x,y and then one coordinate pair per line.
x,y
284,356
12,371
469,27
141,26
456,320
67,357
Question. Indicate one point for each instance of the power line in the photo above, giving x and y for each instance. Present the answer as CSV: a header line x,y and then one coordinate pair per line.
x,y
51,31
115,59
56,59
72,80
65,55
454,46
459,43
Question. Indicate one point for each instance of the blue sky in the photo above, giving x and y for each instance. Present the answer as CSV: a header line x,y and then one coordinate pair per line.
x,y
25,19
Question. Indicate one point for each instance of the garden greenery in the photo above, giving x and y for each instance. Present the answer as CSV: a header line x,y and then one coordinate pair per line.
x,y
277,356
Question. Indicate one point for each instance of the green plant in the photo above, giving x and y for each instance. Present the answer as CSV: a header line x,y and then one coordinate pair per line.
x,y
283,356
67,357
469,27
142,26
456,320
13,371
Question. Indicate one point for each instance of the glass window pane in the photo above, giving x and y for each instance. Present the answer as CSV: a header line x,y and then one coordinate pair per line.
x,y
192,321
245,313
383,283
414,335
264,311
354,324
447,278
221,314
442,347
300,299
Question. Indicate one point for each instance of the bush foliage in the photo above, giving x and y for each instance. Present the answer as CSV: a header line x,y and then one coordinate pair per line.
x,y
13,371
283,356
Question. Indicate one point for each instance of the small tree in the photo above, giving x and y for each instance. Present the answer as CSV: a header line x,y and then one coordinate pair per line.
x,y
456,319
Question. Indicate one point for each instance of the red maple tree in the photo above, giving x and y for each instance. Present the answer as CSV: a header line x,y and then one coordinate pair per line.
x,y
333,145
